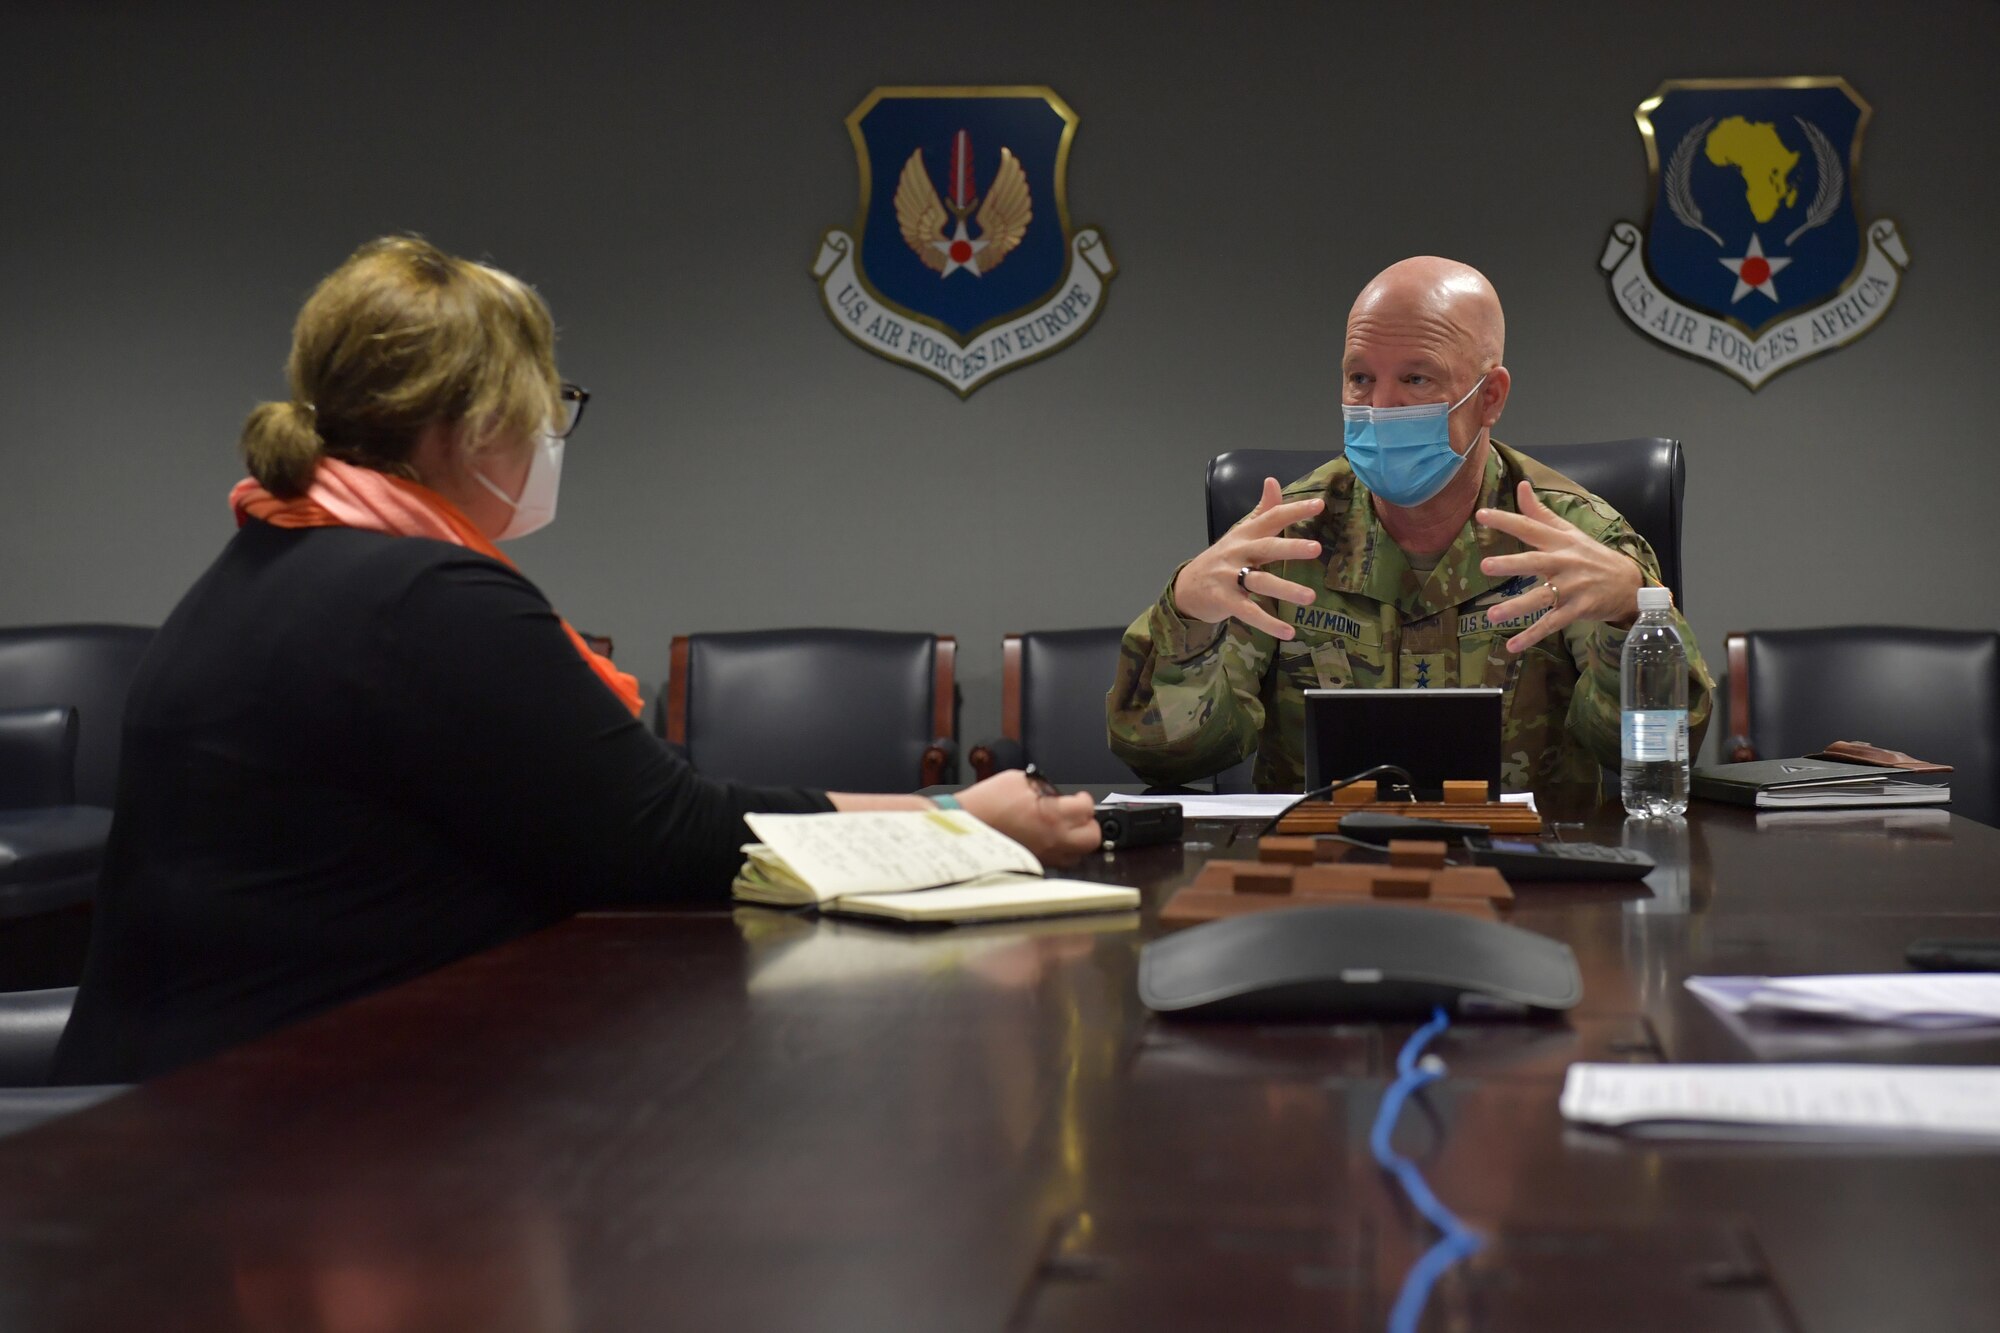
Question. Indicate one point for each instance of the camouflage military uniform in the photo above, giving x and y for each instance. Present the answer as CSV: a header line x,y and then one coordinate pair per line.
x,y
1192,699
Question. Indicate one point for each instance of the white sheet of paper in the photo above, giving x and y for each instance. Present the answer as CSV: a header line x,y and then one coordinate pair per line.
x,y
1253,805
1903,999
1243,805
1891,1101
888,851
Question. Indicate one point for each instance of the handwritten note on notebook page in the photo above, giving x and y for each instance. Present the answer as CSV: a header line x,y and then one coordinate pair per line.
x,y
811,858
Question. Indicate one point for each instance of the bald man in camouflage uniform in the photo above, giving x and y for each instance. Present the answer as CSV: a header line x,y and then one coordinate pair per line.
x,y
1511,576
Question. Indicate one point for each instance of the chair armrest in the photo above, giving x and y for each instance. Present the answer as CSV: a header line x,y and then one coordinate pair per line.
x,y
31,1022
996,756
24,1108
50,857
37,757
940,762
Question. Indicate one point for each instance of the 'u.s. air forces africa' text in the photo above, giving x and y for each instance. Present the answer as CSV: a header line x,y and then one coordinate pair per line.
x,y
1753,360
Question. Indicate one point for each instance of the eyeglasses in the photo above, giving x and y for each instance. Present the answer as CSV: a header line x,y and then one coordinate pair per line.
x,y
573,396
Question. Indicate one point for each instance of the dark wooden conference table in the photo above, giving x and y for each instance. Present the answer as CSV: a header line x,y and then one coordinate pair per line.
x,y
761,1121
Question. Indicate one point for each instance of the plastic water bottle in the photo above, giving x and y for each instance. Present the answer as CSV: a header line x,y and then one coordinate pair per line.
x,y
1653,689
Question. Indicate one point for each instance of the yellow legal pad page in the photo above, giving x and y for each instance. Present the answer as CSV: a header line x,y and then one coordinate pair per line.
x,y
960,868
801,859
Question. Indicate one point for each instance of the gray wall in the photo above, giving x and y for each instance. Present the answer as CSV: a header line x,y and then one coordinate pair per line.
x,y
177,178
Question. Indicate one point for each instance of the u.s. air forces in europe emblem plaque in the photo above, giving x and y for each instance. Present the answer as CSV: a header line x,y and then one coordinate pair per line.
x,y
1754,258
962,263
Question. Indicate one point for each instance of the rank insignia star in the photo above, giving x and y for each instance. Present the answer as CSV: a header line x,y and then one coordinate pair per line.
x,y
1754,271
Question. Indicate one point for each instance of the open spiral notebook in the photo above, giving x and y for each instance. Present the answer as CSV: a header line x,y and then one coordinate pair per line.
x,y
920,866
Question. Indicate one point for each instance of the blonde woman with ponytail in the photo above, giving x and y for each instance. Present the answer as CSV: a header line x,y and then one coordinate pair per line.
x,y
364,744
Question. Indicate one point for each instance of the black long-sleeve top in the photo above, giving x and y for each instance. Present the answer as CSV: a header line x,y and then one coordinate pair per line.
x,y
351,758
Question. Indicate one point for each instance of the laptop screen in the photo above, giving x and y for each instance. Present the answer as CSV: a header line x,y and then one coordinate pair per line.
x,y
1436,735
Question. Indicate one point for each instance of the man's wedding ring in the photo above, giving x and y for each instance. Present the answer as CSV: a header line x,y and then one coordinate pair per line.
x,y
1242,575
1555,594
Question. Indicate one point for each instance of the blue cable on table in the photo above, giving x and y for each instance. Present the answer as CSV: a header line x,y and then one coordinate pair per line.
x,y
1458,1240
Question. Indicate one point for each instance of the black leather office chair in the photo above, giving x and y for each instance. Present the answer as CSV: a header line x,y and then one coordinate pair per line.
x,y
840,709
1052,688
1931,693
1643,479
85,667
50,850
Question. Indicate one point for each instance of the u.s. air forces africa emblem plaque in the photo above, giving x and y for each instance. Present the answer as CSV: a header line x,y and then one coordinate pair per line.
x,y
962,263
1754,258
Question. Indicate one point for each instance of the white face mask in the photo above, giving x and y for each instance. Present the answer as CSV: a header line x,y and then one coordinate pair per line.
x,y
536,508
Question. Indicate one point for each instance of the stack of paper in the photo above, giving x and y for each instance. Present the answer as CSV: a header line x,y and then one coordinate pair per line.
x,y
1803,1102
1904,999
1887,792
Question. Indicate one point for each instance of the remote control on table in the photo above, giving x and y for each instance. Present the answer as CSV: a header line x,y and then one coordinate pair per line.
x,y
1519,858
1516,858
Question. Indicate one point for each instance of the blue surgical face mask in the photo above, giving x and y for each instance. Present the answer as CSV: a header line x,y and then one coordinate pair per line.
x,y
1404,454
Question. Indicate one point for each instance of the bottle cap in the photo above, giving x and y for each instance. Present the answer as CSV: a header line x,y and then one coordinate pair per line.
x,y
1655,599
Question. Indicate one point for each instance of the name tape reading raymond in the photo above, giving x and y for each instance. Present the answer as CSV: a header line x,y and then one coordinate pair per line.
x,y
1755,360
1016,340
1327,621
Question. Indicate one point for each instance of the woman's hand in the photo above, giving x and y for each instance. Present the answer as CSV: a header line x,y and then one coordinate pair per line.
x,y
1057,829
1593,581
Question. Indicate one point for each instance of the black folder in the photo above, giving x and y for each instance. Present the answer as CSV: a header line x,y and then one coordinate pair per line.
x,y
1813,782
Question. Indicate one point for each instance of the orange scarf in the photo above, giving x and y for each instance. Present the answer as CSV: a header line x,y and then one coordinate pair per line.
x,y
345,496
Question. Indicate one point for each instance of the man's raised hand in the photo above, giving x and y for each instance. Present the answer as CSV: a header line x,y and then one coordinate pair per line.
x,y
1595,581
1207,588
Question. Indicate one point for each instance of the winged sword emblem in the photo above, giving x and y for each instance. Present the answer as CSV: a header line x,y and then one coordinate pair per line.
x,y
1003,215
